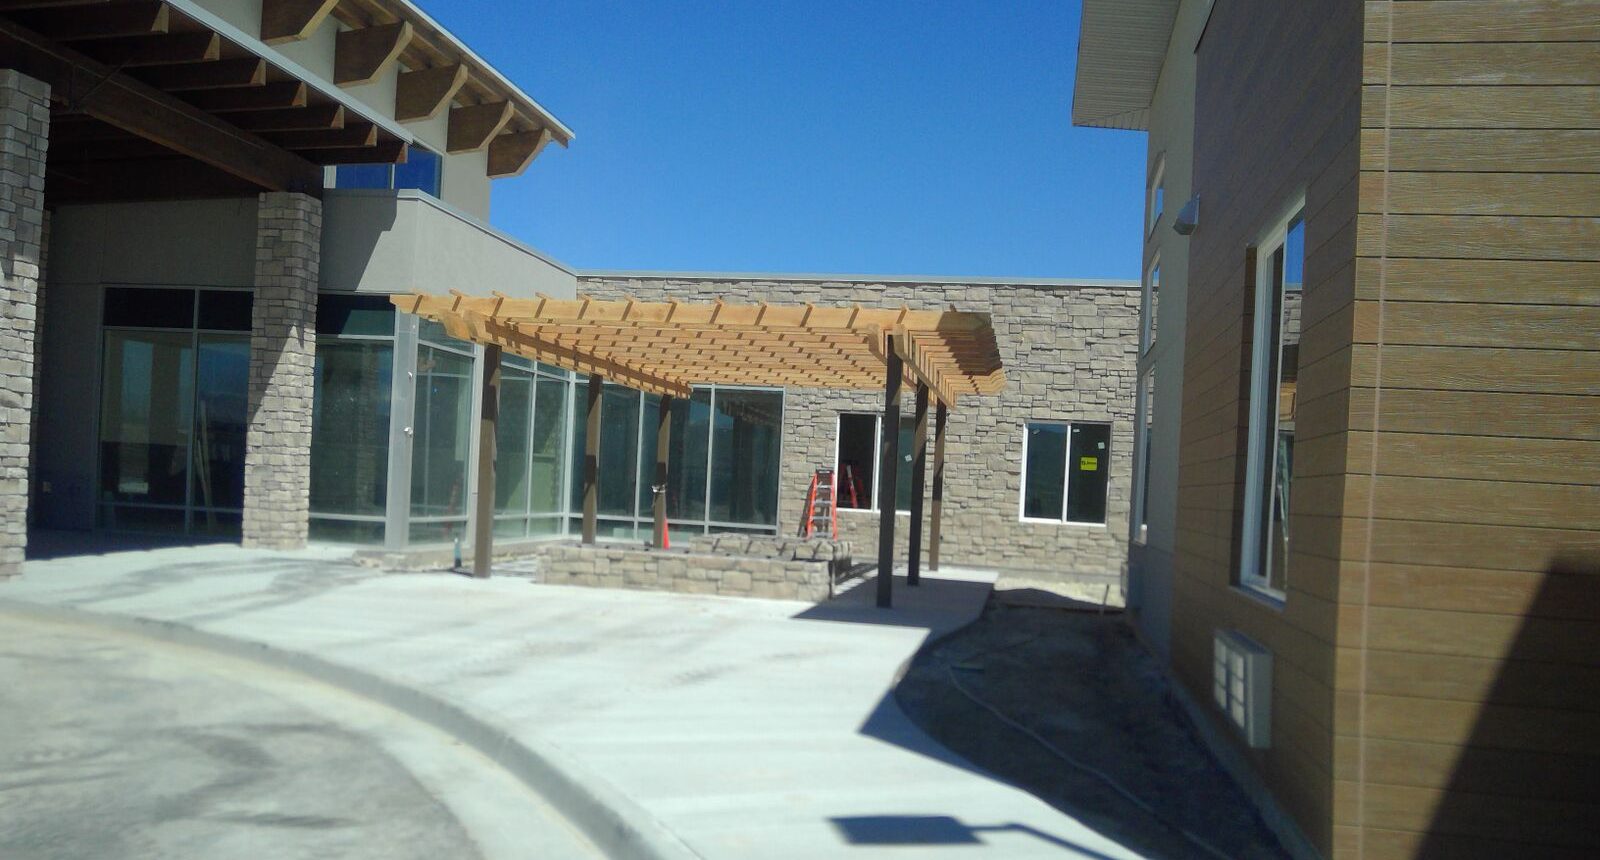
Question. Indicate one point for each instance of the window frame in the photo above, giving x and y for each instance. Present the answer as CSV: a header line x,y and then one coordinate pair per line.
x,y
1066,471
1155,196
877,453
1251,576
1150,291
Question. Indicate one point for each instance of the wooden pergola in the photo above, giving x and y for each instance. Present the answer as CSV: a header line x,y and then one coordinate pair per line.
x,y
665,348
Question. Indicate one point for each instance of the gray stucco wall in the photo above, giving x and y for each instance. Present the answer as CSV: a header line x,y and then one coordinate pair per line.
x,y
1069,355
137,244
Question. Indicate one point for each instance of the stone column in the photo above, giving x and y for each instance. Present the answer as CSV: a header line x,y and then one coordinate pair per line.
x,y
24,139
277,458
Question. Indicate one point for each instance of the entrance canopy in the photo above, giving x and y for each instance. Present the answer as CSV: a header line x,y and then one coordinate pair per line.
x,y
665,347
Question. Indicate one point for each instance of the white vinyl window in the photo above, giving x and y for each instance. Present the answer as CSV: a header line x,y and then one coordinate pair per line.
x,y
856,461
1149,307
1064,468
1144,427
1157,195
1274,381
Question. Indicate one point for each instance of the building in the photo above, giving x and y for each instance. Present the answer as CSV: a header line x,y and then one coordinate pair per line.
x,y
202,346
1372,250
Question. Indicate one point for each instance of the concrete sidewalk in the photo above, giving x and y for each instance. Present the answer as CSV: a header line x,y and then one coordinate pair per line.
x,y
709,727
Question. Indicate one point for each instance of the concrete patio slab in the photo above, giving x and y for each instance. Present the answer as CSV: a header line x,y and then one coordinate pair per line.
x,y
712,727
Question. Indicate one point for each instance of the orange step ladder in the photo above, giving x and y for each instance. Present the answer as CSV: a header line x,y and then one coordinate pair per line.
x,y
821,505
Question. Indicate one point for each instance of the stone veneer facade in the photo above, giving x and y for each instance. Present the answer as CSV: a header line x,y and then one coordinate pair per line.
x,y
277,470
24,141
1069,352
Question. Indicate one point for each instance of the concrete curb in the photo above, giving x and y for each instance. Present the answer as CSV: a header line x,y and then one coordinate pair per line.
x,y
617,825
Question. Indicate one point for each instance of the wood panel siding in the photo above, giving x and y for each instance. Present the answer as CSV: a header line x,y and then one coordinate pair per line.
x,y
1277,119
1469,568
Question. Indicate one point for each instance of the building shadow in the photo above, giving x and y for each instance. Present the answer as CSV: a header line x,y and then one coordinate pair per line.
x,y
939,605
1525,783
933,830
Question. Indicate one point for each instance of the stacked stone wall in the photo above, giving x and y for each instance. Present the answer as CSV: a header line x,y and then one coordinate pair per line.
x,y
606,566
1069,353
277,470
24,141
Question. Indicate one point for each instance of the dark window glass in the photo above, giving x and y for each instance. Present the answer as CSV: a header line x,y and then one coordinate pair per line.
x,y
353,314
1086,473
858,453
420,171
361,176
746,433
1042,487
619,451
148,308
513,432
686,461
217,456
225,310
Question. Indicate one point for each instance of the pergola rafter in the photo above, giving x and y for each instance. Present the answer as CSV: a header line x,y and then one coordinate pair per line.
x,y
664,348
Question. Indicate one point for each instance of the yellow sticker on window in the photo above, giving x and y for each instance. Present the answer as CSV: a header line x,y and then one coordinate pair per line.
x,y
1088,464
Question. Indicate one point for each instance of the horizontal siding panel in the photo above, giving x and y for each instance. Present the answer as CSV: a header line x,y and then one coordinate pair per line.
x,y
1493,150
1448,368
1474,502
1480,107
1478,634
1482,546
1402,718
1476,413
1483,21
1526,683
1424,455
1382,844
1492,237
1484,64
1468,589
1478,325
1500,281
1478,771
1433,193
1535,822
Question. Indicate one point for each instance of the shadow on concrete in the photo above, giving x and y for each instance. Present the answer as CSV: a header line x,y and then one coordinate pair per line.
x,y
45,544
931,830
1523,782
936,605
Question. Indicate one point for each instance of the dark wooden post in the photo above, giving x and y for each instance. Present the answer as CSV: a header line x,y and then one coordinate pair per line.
x,y
663,448
888,463
488,417
940,413
919,463
591,459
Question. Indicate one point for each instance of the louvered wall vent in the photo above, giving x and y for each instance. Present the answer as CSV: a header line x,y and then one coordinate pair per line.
x,y
1241,685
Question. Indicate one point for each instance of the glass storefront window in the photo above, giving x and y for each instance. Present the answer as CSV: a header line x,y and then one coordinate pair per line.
x,y
441,443
746,439
350,427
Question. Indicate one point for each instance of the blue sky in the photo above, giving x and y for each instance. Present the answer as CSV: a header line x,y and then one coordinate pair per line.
x,y
872,137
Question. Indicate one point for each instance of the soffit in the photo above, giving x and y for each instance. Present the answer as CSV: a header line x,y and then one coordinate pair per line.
x,y
1122,45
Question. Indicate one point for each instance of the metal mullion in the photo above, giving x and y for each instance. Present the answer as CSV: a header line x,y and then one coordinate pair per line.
x,y
194,413
711,441
1066,472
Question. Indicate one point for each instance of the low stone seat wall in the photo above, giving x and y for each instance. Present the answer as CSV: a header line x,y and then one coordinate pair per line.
x,y
709,569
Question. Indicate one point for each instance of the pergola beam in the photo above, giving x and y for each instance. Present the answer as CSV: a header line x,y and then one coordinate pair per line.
x,y
936,518
919,463
888,472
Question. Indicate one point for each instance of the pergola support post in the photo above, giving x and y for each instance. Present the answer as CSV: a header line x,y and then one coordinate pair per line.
x,y
488,417
941,412
659,490
919,464
591,459
888,471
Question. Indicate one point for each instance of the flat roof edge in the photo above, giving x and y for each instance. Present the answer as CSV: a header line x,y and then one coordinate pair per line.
x,y
813,277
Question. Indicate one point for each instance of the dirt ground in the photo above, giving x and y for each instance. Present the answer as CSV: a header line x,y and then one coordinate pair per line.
x,y
1081,681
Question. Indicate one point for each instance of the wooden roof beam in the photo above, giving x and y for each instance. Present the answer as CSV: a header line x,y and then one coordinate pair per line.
x,y
292,20
277,95
351,135
387,151
98,21
926,373
489,331
140,109
510,154
422,93
220,75
318,118
159,50
362,56
472,127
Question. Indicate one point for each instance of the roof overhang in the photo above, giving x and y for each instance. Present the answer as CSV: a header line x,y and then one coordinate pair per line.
x,y
1122,45
666,347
